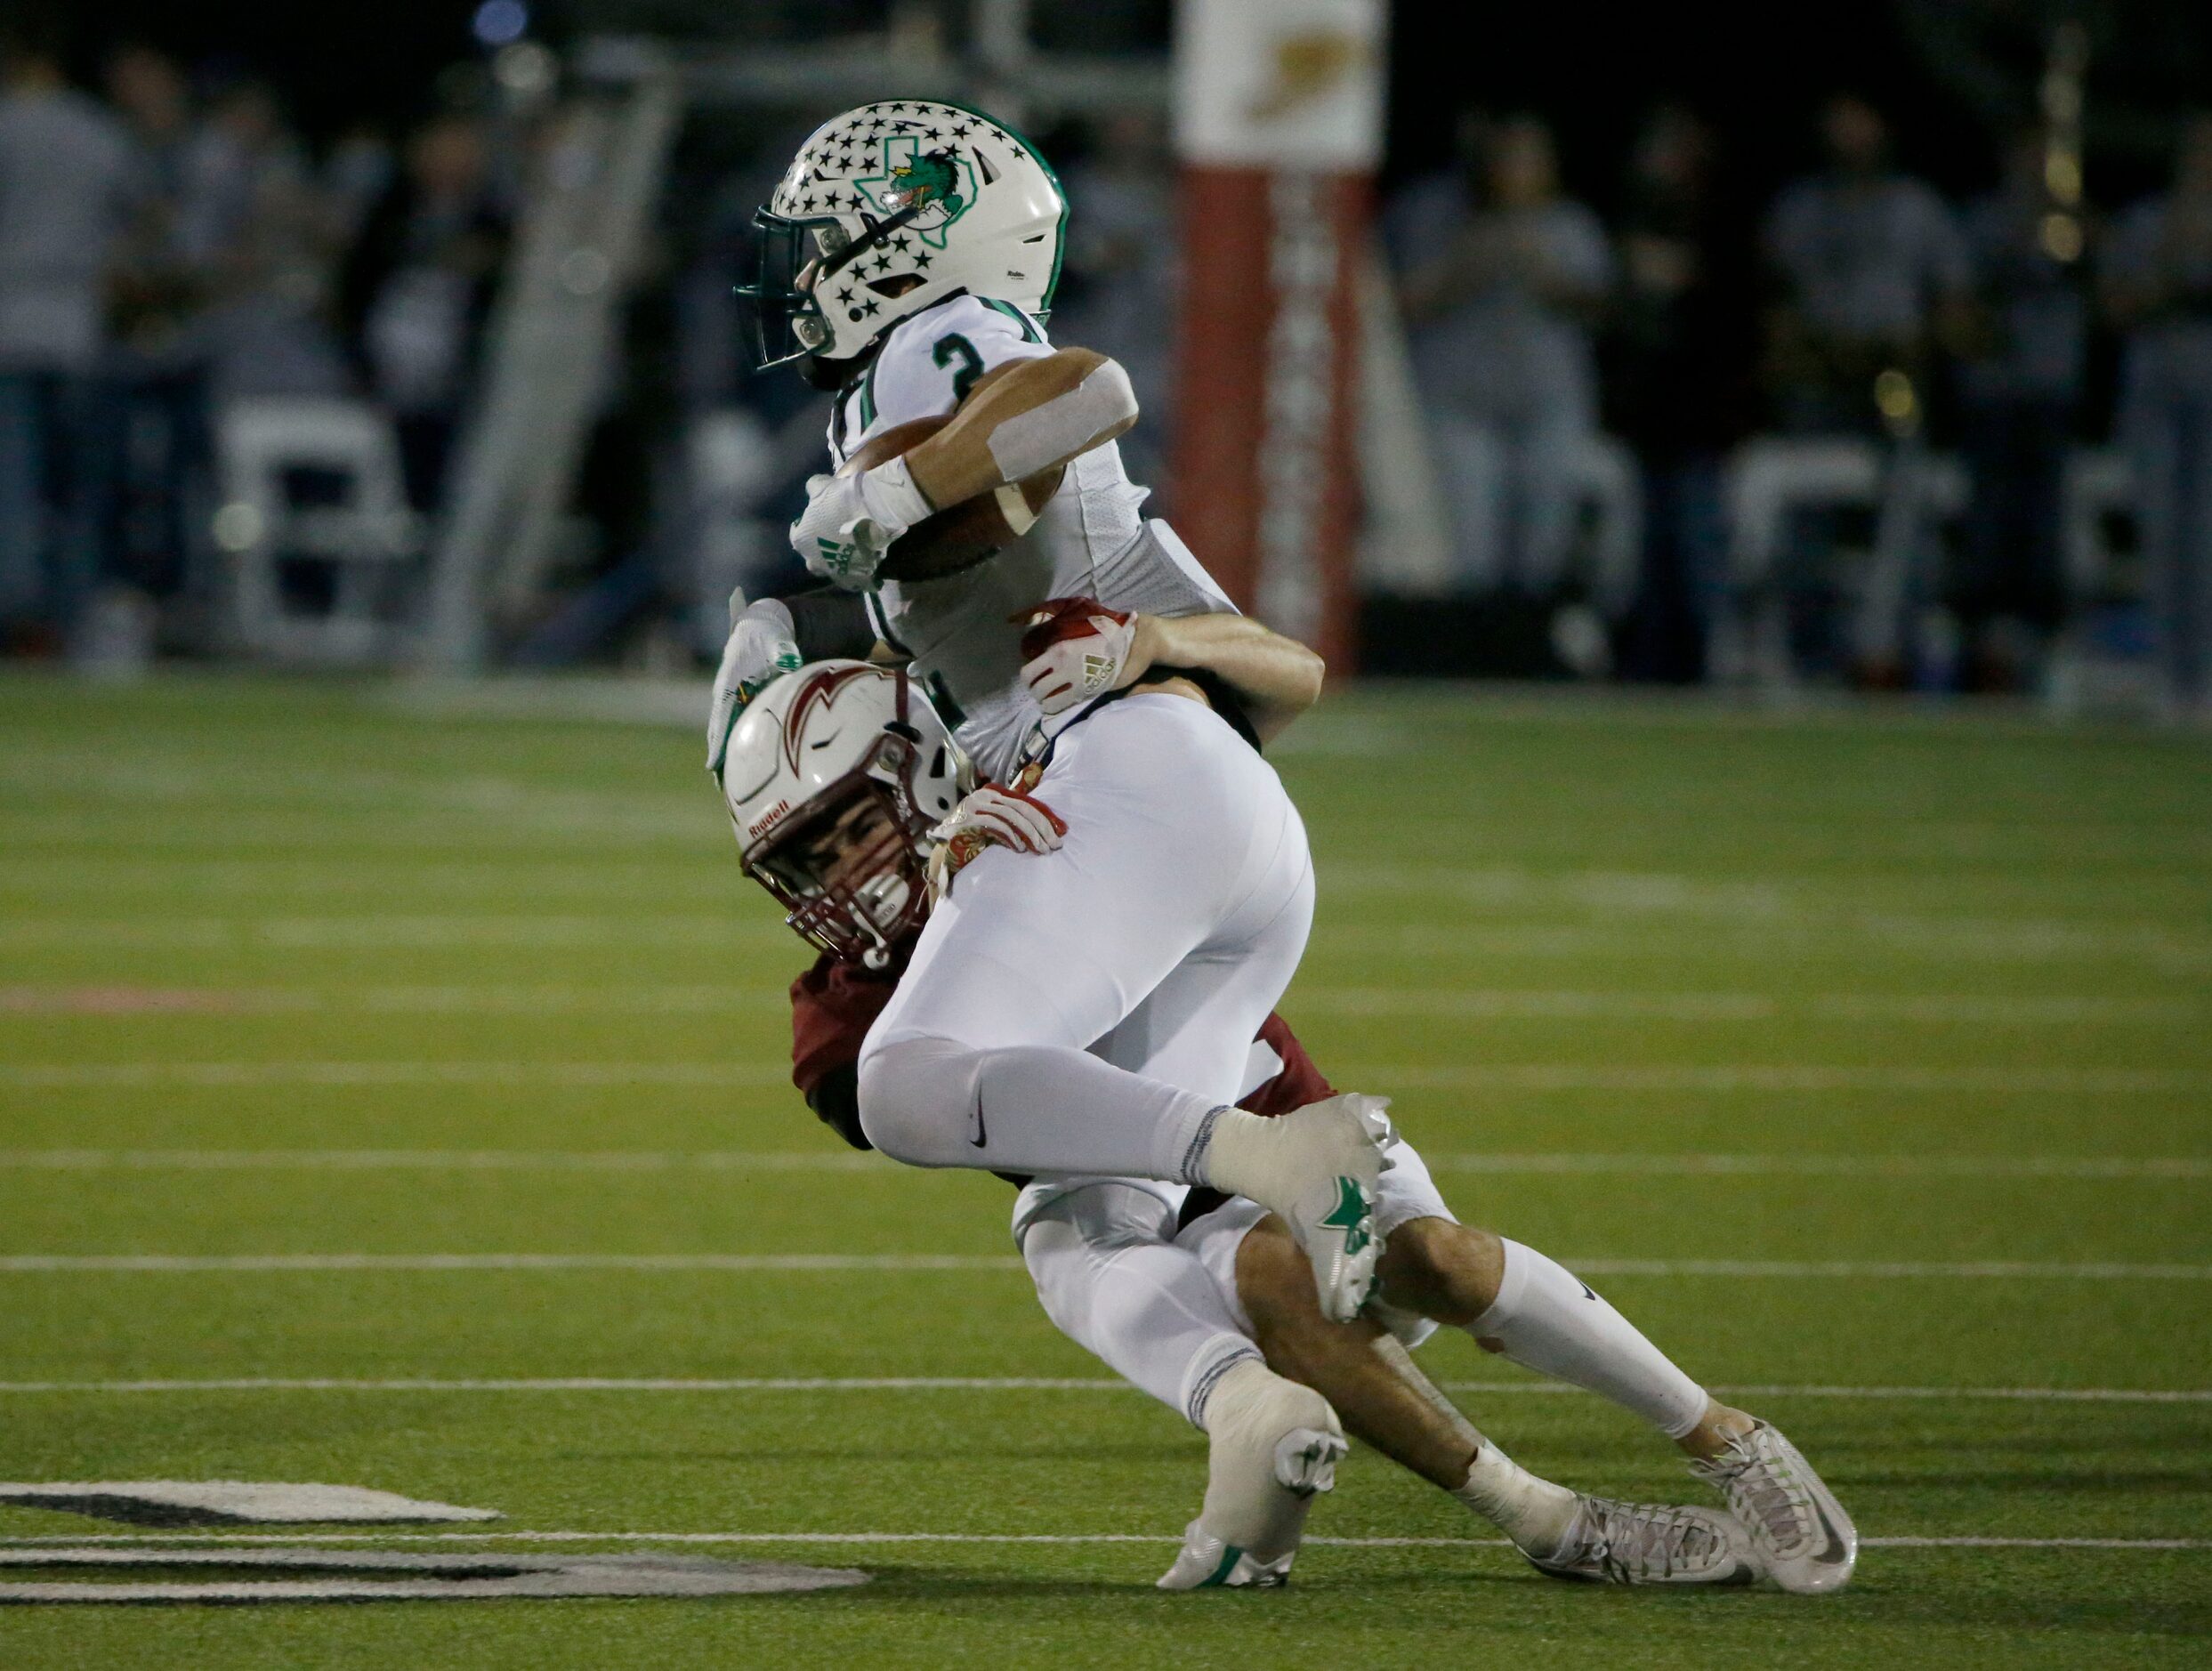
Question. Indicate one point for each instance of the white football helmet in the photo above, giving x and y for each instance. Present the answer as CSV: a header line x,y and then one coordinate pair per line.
x,y
890,193
833,775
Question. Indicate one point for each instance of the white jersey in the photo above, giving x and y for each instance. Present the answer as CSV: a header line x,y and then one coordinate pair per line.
x,y
962,634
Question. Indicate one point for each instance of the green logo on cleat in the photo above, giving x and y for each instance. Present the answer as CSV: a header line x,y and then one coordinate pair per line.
x,y
1221,1573
1351,1215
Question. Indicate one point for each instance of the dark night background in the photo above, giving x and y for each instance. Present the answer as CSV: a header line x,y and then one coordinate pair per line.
x,y
1953,72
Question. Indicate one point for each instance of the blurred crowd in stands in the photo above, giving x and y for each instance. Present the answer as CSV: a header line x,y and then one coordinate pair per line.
x,y
1865,306
168,246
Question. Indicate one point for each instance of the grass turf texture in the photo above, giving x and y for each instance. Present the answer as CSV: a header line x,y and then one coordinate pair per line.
x,y
1967,963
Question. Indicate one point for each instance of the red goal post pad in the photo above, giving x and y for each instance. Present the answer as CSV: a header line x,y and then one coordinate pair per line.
x,y
1278,123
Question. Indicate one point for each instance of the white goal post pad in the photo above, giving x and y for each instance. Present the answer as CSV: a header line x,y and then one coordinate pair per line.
x,y
225,1502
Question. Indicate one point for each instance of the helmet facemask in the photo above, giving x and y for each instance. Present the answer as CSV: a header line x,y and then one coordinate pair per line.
x,y
788,320
853,874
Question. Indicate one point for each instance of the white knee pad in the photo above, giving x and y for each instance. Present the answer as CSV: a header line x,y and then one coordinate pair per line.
x,y
917,1100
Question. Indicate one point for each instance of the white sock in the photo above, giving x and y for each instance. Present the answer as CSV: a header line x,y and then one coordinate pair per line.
x,y
1549,1321
1112,1282
1277,1161
1534,1512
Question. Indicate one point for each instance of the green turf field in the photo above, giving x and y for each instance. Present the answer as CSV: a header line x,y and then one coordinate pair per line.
x,y
1866,1060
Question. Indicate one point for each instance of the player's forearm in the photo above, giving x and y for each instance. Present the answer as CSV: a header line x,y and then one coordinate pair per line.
x,y
1033,415
1278,677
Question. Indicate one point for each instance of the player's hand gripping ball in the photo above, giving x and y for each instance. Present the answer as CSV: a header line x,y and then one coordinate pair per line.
x,y
850,521
1076,648
1000,814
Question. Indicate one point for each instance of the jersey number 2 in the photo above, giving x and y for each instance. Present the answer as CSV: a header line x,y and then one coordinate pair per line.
x,y
958,347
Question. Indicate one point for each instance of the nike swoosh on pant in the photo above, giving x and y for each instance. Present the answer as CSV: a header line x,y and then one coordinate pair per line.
x,y
982,1132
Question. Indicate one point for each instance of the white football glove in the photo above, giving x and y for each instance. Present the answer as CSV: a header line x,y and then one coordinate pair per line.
x,y
850,522
1075,648
763,647
998,814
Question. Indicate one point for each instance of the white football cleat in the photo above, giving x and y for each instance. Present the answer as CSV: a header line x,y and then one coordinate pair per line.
x,y
1207,1563
1803,1538
1332,1218
1273,1447
1647,1543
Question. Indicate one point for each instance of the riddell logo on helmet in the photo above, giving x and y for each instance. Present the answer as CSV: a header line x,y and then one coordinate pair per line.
x,y
768,819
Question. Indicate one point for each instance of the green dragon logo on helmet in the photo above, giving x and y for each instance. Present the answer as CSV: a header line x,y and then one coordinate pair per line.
x,y
940,184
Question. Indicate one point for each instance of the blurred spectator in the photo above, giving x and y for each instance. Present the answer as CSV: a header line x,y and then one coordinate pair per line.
x,y
1676,381
154,416
1503,280
253,225
1872,273
355,177
2159,284
148,92
1118,284
2020,383
66,191
1871,267
417,290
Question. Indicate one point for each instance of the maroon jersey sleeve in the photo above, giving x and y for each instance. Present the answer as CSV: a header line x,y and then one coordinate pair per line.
x,y
1299,1083
832,1005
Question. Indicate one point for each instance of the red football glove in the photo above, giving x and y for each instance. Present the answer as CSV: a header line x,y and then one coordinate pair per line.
x,y
1004,815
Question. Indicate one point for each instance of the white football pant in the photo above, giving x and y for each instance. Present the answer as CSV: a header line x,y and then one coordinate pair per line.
x,y
1083,1011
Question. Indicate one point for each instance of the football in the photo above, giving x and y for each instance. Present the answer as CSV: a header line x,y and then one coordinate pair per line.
x,y
960,536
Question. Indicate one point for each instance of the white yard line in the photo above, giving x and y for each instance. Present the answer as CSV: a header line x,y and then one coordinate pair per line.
x,y
1529,1076
2086,1168
1447,1003
1040,1384
441,1160
1611,929
1778,1077
219,1539
1799,941
1945,1009
371,1075
165,1262
1845,1269
386,931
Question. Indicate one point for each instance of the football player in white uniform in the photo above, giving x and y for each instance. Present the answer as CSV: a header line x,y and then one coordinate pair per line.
x,y
843,787
1088,1010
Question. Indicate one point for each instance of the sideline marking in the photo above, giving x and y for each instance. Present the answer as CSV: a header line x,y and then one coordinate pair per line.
x,y
370,1575
2073,1166
217,1502
219,1540
1043,1383
115,1263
